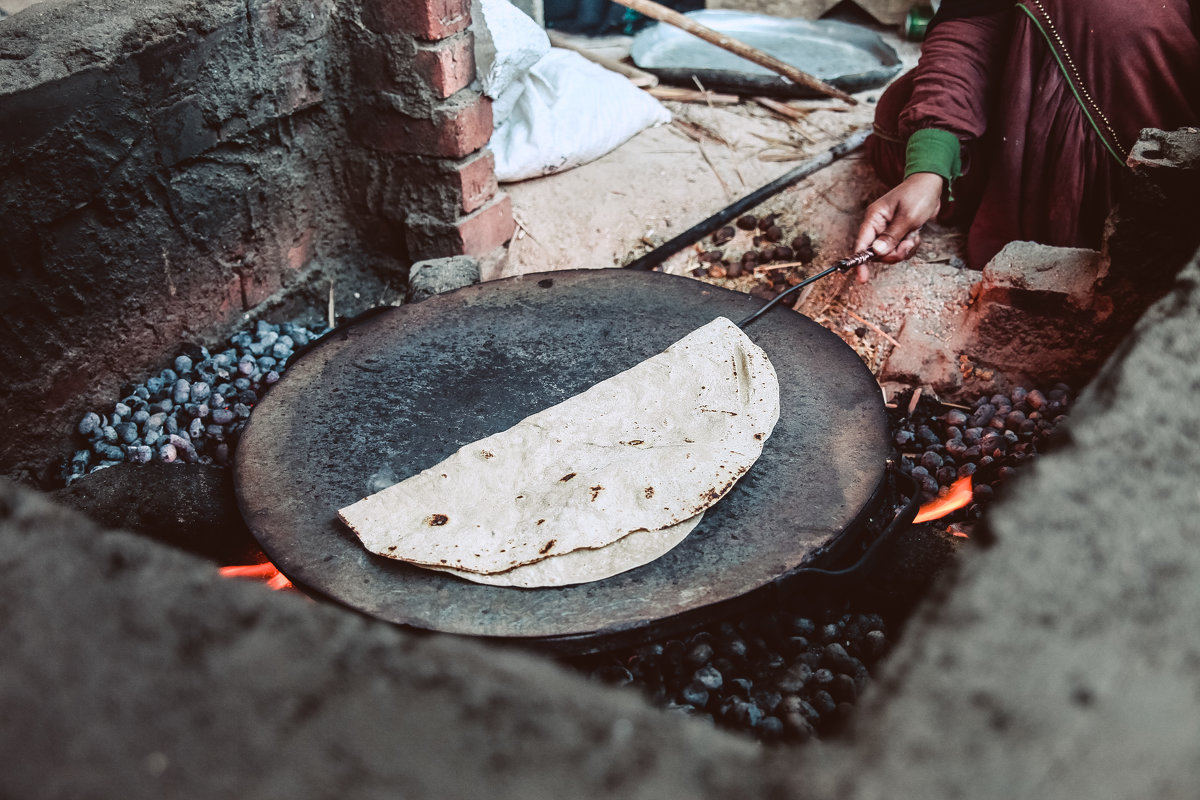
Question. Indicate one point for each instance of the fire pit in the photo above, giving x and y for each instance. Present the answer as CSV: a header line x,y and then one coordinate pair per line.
x,y
392,394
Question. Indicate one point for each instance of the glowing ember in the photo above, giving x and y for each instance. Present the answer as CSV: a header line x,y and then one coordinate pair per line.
x,y
266,571
959,495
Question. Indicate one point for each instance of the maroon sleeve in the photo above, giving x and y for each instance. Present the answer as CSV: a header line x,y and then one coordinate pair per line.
x,y
956,75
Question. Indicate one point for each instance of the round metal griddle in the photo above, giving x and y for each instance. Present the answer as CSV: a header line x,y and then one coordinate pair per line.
x,y
388,396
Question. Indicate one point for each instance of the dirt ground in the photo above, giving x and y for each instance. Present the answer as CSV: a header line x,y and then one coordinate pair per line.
x,y
667,179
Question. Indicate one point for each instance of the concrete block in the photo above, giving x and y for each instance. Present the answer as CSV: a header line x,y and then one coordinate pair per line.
x,y
437,275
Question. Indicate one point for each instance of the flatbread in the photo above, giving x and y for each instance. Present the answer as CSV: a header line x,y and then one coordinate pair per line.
x,y
586,564
641,451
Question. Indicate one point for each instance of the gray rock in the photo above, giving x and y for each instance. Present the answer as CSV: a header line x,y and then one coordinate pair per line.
x,y
438,275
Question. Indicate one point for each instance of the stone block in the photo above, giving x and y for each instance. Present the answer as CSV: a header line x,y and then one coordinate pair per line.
x,y
922,359
437,275
1035,315
1152,232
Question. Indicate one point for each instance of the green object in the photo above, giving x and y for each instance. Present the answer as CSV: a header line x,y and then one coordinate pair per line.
x,y
936,151
916,21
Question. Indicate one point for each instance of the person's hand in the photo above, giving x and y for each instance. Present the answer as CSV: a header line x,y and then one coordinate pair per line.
x,y
892,224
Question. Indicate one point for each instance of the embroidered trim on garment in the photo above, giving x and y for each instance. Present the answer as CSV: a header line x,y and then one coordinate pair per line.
x,y
1052,38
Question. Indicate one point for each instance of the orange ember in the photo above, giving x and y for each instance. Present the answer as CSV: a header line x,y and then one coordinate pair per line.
x,y
266,571
959,495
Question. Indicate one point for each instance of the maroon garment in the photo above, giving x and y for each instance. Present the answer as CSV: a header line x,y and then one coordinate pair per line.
x,y
1036,168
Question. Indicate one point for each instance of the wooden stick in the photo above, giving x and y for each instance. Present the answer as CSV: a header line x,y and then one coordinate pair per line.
x,y
782,109
692,95
873,327
640,78
663,14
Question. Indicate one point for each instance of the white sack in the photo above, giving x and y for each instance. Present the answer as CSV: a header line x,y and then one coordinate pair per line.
x,y
570,111
507,44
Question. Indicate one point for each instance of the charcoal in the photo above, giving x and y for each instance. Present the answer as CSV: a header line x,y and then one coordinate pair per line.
x,y
843,688
955,418
931,461
766,699
982,416
823,702
700,653
709,677
724,235
795,678
802,248
695,694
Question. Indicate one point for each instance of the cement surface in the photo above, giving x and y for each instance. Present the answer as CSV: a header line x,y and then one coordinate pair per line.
x,y
131,670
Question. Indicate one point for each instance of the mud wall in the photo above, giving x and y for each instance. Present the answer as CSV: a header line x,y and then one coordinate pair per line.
x,y
168,168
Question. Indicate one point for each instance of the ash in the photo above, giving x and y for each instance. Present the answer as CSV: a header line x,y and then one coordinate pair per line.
x,y
194,410
793,670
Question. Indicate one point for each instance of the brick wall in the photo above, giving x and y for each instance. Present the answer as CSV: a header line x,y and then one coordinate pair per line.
x,y
167,167
423,129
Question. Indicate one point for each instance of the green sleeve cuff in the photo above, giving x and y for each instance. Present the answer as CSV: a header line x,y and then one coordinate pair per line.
x,y
933,150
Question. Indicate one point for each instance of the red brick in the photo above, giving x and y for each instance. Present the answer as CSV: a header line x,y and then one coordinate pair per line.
x,y
475,179
430,20
476,234
486,229
448,66
455,129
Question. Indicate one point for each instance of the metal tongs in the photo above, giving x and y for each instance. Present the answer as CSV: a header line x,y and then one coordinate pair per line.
x,y
842,265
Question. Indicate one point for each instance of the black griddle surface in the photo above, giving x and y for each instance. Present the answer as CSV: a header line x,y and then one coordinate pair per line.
x,y
393,394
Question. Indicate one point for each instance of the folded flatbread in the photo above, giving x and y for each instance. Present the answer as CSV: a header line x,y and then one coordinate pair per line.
x,y
586,564
639,452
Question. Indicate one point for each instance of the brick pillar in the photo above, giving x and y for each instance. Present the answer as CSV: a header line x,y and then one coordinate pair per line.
x,y
422,124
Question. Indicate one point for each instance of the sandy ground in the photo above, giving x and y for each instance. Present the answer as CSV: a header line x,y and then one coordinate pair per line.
x,y
669,178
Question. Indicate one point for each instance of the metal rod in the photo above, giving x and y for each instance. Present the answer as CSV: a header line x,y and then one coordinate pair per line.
x,y
739,207
842,265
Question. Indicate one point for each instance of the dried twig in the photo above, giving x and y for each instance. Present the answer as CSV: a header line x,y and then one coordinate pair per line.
x,y
873,327
912,403
782,109
682,95
732,152
332,316
713,167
